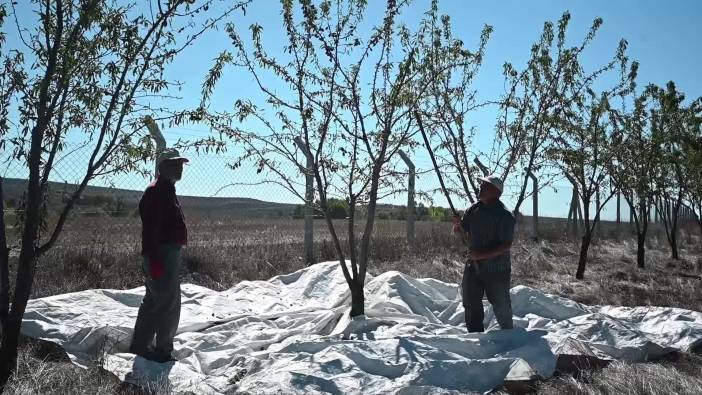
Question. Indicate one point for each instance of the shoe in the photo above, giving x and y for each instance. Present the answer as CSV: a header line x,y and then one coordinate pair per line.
x,y
145,353
161,357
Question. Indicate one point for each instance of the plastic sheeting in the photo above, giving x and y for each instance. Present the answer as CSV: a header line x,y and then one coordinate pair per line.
x,y
292,334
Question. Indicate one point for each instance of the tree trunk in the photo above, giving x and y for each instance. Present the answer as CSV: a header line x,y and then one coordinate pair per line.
x,y
582,260
364,253
4,263
27,258
640,250
11,331
358,307
674,243
357,298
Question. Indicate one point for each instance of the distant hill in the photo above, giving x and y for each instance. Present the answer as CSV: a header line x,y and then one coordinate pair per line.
x,y
124,201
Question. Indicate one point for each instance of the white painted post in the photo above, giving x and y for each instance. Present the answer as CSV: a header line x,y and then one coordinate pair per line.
x,y
309,202
410,199
483,168
155,133
535,200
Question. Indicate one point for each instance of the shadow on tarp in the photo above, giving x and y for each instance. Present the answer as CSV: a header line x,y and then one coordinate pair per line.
x,y
303,381
147,377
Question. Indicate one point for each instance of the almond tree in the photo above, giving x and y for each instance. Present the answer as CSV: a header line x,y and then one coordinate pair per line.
x,y
636,160
12,81
693,162
535,100
351,94
673,123
91,67
582,147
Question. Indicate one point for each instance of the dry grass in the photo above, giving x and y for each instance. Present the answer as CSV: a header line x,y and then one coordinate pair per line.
x,y
45,369
226,251
679,377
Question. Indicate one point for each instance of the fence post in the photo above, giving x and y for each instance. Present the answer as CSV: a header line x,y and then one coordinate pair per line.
x,y
410,199
577,214
581,222
619,208
535,200
631,215
649,210
575,207
4,261
687,223
309,202
482,167
570,215
158,138
598,226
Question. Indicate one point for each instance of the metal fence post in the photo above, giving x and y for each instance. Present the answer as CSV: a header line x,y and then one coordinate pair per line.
x,y
535,200
482,167
158,138
631,216
410,199
575,207
619,208
309,202
598,225
569,221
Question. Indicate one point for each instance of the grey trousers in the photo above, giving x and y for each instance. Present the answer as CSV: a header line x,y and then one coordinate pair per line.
x,y
159,312
496,287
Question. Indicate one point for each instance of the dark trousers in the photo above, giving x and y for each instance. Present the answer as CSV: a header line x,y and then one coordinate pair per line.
x,y
159,312
496,287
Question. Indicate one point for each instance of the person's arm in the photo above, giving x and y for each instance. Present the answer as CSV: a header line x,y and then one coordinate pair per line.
x,y
506,237
497,251
460,225
152,223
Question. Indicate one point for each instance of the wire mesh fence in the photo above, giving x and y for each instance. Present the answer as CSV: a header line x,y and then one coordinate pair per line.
x,y
228,205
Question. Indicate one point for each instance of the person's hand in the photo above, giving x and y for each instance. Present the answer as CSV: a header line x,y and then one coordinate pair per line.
x,y
457,226
156,267
475,255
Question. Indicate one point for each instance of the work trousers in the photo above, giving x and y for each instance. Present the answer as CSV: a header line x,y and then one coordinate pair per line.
x,y
493,284
159,312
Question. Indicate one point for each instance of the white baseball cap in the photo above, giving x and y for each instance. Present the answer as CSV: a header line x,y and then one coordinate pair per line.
x,y
494,180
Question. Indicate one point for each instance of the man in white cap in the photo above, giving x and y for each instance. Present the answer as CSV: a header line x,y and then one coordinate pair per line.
x,y
163,235
490,230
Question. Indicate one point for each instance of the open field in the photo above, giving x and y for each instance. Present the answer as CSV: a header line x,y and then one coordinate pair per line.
x,y
224,251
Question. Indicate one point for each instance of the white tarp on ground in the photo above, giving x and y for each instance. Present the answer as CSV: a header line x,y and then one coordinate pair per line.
x,y
291,334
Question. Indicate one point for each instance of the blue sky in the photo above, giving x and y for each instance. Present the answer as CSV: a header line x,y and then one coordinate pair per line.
x,y
664,36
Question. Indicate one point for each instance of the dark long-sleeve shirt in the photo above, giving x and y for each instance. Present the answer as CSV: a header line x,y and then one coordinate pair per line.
x,y
162,219
487,228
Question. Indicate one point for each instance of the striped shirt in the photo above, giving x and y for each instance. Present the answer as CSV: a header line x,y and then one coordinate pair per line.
x,y
487,228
